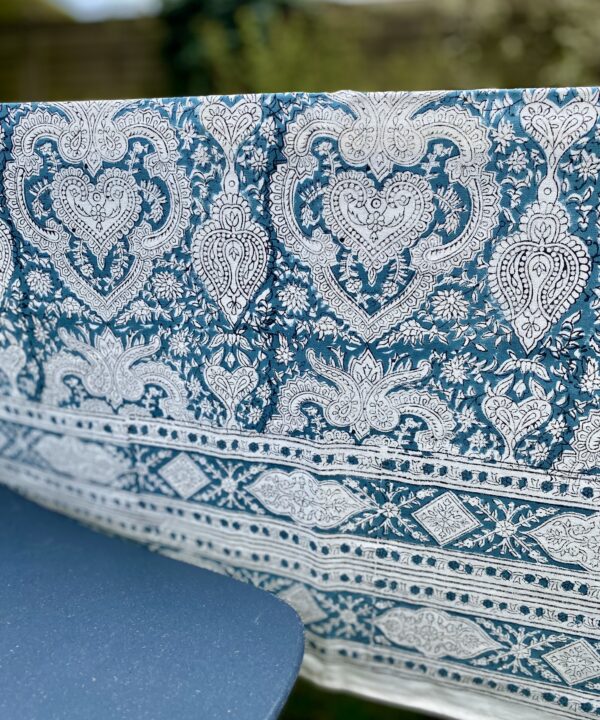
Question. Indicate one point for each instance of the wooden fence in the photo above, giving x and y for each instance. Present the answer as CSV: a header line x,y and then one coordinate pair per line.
x,y
66,60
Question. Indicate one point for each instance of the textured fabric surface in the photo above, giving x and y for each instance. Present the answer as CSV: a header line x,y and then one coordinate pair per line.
x,y
341,346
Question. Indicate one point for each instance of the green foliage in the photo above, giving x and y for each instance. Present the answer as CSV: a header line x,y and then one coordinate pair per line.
x,y
186,51
228,46
293,52
521,43
308,702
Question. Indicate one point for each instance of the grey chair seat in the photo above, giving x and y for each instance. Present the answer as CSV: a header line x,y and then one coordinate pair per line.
x,y
98,628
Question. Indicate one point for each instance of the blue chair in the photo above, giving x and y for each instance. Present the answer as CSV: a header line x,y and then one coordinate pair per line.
x,y
99,628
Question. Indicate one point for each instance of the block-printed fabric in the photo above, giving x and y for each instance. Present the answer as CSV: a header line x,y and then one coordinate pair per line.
x,y
341,346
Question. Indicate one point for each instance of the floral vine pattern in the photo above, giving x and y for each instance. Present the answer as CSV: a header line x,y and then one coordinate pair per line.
x,y
342,346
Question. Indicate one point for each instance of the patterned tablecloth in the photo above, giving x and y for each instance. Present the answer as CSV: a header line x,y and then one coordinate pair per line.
x,y
342,346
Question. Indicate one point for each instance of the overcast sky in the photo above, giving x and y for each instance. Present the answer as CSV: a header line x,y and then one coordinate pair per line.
x,y
102,9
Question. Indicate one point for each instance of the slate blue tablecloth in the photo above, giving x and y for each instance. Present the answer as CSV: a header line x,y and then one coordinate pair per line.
x,y
342,346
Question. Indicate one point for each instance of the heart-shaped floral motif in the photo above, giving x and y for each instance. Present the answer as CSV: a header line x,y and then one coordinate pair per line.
x,y
98,212
381,196
106,224
378,223
557,128
230,125
230,386
515,420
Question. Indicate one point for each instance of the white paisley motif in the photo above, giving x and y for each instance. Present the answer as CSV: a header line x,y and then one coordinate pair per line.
x,y
539,272
323,504
97,211
363,398
230,254
383,131
6,257
110,371
230,251
435,633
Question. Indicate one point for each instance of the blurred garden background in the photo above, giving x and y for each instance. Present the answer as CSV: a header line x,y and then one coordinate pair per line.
x,y
51,49
82,49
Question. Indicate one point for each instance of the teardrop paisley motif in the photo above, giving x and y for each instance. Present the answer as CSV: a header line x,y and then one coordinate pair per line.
x,y
538,273
230,252
230,255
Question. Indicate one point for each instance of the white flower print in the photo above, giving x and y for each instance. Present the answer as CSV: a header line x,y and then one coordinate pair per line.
x,y
590,381
557,427
257,160
477,441
140,311
201,155
166,286
411,332
188,134
456,369
588,166
517,161
326,326
254,415
450,305
39,282
538,452
179,343
466,419
194,388
294,299
504,134
283,354
268,130
70,306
